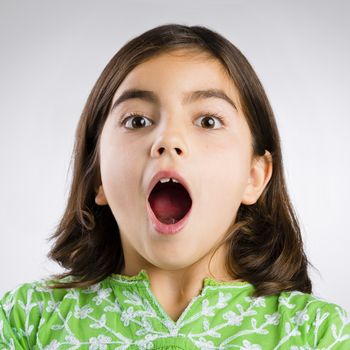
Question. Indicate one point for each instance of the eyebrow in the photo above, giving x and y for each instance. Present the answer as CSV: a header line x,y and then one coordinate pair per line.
x,y
190,97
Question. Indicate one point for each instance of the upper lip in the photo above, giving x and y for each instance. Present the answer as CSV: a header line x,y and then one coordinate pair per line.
x,y
167,174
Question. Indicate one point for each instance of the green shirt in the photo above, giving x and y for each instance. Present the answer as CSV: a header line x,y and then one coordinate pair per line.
x,y
121,312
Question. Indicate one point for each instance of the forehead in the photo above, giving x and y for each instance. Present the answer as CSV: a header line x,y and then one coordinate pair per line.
x,y
175,75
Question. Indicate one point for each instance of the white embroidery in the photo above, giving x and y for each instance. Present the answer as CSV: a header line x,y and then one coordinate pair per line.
x,y
202,323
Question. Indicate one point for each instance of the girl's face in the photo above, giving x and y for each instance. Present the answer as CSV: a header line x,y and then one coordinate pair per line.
x,y
213,156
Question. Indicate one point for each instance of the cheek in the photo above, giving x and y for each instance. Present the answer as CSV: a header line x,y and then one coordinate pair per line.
x,y
226,174
120,171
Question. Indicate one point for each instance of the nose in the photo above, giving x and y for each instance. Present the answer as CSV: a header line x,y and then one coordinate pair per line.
x,y
169,142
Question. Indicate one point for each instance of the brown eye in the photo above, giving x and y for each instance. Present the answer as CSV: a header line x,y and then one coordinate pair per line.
x,y
135,121
208,121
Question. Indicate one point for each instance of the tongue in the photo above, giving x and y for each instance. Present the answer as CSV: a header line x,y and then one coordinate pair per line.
x,y
170,202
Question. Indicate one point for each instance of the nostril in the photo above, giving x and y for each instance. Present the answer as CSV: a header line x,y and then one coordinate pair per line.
x,y
177,150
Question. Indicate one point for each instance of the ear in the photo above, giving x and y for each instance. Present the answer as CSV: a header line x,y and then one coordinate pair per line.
x,y
100,198
260,174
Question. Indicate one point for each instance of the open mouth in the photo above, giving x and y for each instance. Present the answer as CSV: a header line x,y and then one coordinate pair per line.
x,y
169,201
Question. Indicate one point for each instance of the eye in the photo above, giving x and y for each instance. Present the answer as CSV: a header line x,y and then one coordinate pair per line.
x,y
135,121
207,120
138,121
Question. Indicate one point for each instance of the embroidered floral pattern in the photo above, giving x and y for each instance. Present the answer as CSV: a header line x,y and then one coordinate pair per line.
x,y
121,313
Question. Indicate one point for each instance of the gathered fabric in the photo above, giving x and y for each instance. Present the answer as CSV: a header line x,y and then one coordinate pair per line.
x,y
122,313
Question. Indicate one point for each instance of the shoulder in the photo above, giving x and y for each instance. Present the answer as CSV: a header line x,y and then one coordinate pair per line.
x,y
301,319
35,290
296,306
40,293
21,310
310,303
327,324
21,293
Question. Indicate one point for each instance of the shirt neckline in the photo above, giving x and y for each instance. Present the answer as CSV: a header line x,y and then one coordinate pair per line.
x,y
143,276
142,281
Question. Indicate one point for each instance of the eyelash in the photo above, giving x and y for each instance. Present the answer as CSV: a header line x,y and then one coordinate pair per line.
x,y
205,114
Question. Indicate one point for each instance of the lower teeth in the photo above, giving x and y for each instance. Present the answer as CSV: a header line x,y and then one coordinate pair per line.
x,y
170,221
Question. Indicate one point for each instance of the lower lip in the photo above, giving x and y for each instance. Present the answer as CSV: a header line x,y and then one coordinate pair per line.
x,y
164,228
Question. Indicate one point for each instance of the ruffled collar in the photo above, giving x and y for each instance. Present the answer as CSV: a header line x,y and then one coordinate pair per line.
x,y
143,277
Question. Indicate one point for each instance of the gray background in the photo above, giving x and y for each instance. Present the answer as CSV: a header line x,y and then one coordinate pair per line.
x,y
52,52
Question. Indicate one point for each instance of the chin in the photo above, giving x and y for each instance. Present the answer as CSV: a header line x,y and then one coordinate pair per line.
x,y
171,264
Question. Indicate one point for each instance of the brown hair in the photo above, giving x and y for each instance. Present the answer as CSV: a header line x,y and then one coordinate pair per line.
x,y
265,243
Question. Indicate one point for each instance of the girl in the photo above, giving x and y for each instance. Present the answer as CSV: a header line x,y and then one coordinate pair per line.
x,y
178,232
